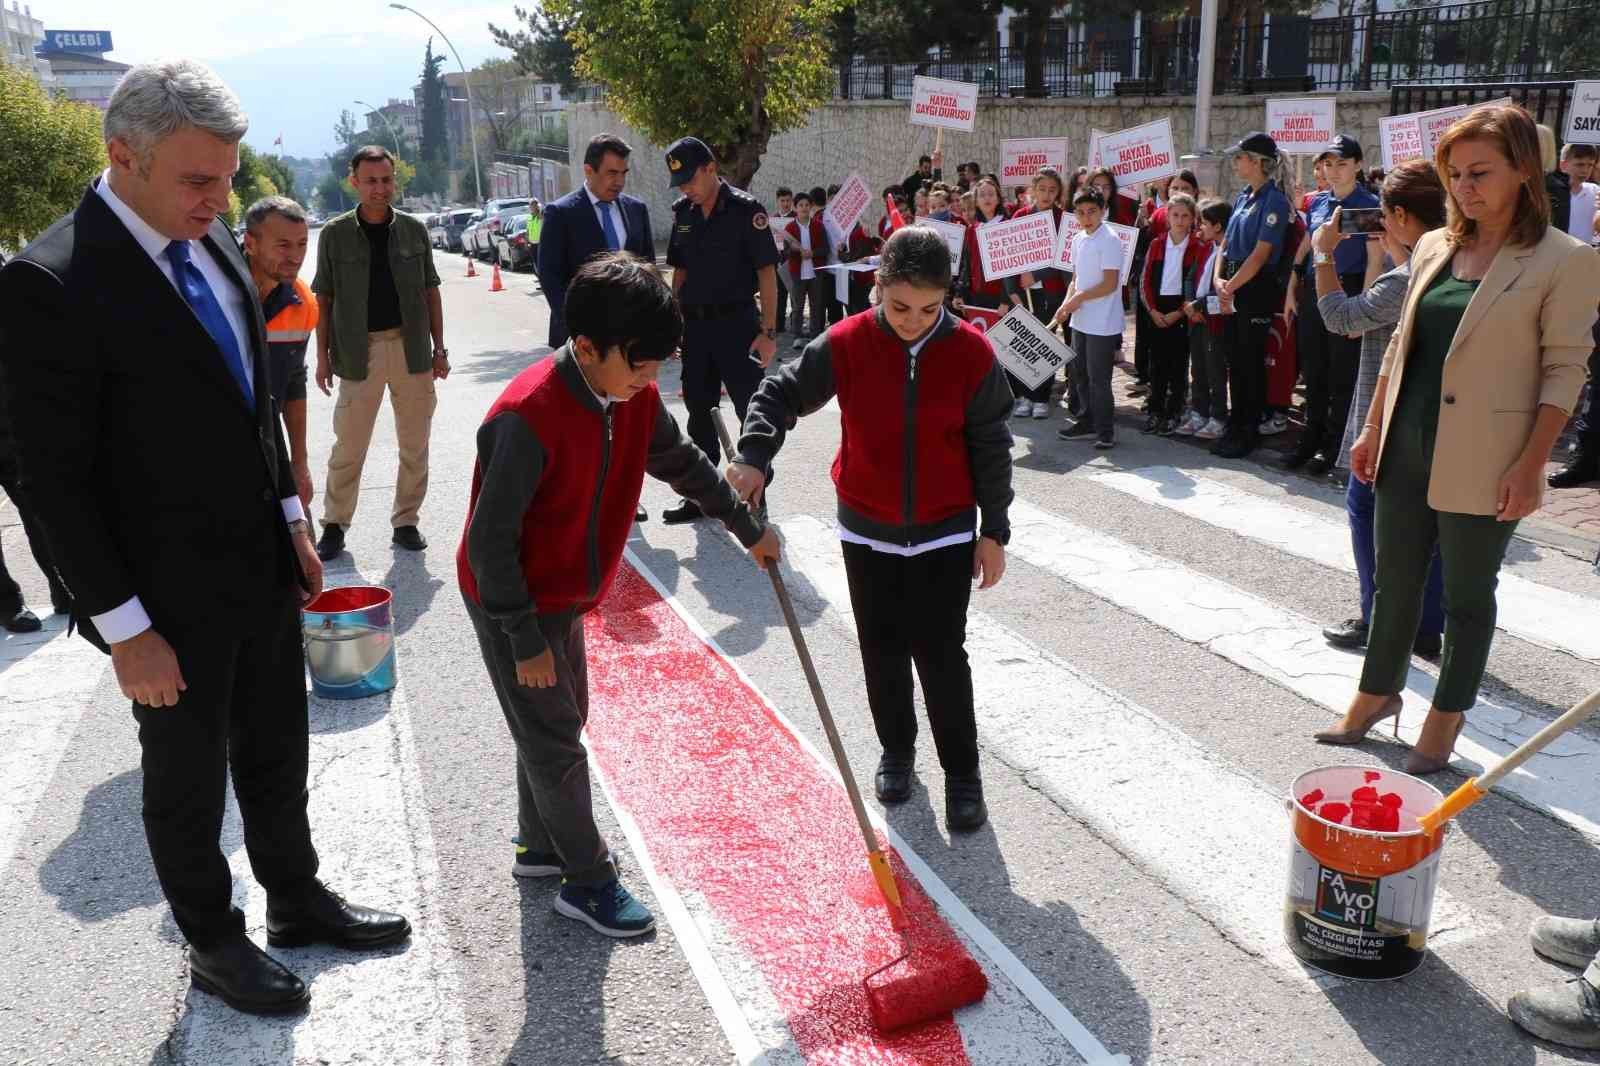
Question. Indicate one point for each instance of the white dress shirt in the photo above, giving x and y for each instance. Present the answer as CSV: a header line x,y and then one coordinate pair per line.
x,y
1172,268
1581,222
616,217
808,269
129,620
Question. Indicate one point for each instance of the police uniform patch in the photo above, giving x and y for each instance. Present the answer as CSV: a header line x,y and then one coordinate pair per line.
x,y
1272,218
759,221
674,164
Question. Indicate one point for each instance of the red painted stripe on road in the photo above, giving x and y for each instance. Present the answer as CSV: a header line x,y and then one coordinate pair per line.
x,y
735,810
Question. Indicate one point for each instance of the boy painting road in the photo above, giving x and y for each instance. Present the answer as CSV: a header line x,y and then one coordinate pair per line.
x,y
561,458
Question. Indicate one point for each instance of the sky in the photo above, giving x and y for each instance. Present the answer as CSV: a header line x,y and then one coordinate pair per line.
x,y
294,63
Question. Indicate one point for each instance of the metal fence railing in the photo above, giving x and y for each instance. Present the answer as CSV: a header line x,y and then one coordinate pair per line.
x,y
1489,40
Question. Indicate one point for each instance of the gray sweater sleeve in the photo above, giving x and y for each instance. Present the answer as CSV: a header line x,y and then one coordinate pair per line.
x,y
511,462
679,462
989,450
1373,309
800,388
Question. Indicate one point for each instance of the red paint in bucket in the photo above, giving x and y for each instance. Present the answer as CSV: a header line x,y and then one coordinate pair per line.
x,y
1362,873
349,598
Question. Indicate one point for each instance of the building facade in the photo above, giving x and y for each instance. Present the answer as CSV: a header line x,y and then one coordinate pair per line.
x,y
21,36
85,79
402,116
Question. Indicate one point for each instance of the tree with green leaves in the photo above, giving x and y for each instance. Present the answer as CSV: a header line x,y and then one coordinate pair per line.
x,y
51,150
435,148
541,47
732,72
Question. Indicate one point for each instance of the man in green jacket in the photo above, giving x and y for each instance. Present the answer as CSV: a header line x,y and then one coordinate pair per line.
x,y
380,325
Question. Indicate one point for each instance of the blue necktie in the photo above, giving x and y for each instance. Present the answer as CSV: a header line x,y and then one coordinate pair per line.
x,y
606,224
204,303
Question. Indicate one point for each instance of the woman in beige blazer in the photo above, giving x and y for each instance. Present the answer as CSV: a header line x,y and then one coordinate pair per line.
x,y
1477,383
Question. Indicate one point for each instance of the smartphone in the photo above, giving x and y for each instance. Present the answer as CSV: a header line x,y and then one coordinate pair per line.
x,y
1359,220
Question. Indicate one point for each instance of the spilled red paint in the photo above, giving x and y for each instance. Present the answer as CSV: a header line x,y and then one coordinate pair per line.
x,y
1371,775
738,815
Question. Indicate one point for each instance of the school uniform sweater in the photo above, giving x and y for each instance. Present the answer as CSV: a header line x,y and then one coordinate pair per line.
x,y
1194,253
554,492
924,444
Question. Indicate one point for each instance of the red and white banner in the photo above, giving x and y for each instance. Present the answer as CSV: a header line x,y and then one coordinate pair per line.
x,y
1007,249
1127,235
983,318
950,104
845,206
1140,154
1021,158
1302,126
1415,136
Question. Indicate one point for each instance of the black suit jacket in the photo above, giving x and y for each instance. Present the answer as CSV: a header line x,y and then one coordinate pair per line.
x,y
572,234
146,468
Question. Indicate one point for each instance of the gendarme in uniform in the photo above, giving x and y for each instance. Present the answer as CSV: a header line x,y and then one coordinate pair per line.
x,y
719,257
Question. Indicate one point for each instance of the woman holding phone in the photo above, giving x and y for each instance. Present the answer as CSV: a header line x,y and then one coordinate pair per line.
x,y
1475,387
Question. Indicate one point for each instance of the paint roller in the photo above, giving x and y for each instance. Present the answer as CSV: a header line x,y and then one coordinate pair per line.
x,y
902,992
1475,788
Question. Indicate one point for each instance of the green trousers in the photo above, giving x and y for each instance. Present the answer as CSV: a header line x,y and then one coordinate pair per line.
x,y
1471,548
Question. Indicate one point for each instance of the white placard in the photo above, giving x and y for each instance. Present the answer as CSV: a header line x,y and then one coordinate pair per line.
x,y
1140,154
1027,347
950,104
1301,126
1415,136
1018,246
776,223
1094,147
1583,116
954,234
1021,158
1127,235
845,207
842,272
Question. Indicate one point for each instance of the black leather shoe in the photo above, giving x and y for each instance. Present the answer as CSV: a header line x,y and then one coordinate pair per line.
x,y
1428,647
331,543
1240,446
20,620
963,803
640,514
893,780
1583,469
686,511
410,538
246,978
1351,633
322,916
1318,465
1296,459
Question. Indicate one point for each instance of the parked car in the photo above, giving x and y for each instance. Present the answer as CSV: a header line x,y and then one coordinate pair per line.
x,y
472,238
446,232
496,214
515,248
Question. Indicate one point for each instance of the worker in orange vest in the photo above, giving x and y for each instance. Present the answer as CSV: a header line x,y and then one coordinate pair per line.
x,y
276,236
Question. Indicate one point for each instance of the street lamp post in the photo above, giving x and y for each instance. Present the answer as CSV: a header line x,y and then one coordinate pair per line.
x,y
472,125
386,122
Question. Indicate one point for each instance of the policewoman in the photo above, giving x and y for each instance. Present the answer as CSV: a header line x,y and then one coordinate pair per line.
x,y
1329,360
1246,284
721,253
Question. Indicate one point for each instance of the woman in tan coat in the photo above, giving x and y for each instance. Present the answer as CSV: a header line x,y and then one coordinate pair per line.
x,y
1477,383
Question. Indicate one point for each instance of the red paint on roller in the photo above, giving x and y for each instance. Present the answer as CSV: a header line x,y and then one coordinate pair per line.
x,y
749,826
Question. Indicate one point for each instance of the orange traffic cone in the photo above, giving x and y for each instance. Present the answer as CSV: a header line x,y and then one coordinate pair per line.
x,y
494,282
471,273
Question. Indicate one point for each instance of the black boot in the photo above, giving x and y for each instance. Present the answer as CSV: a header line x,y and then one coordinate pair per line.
x,y
332,542
246,978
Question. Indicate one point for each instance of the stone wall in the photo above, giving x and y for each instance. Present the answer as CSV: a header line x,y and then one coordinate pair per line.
x,y
874,137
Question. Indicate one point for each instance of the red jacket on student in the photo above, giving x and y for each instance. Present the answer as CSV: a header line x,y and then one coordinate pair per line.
x,y
821,252
1155,262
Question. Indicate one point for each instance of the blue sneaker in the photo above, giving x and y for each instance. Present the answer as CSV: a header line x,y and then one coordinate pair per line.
x,y
534,863
609,909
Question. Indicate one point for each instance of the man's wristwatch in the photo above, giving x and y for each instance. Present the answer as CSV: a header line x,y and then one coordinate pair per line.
x,y
300,525
770,333
1322,259
441,353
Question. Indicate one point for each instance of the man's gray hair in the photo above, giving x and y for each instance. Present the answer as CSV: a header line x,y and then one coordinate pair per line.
x,y
155,100
272,205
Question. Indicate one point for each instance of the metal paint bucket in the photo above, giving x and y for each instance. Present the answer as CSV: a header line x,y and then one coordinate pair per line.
x,y
349,636
1360,901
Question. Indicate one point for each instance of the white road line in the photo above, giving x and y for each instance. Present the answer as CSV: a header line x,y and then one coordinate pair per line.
x,y
1288,649
1096,753
1020,1020
370,823
46,682
1549,617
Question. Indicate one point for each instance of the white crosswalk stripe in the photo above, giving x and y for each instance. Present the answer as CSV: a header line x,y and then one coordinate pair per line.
x,y
1095,753
1550,617
1288,649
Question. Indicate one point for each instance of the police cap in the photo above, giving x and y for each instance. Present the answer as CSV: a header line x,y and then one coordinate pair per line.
x,y
1343,146
1256,143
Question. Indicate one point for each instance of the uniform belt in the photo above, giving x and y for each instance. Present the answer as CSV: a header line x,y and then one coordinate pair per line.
x,y
707,312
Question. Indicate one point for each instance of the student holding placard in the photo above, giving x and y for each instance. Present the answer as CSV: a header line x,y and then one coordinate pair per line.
x,y
1047,196
972,286
1094,301
807,240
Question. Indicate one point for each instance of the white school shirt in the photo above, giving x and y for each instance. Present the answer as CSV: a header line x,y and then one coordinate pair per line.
x,y
128,620
807,269
1092,255
1172,268
616,217
927,546
1581,224
1203,288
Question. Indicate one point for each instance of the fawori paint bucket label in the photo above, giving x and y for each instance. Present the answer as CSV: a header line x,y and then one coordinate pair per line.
x,y
1362,873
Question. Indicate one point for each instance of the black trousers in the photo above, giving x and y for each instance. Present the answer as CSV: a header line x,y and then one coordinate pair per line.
x,y
1143,328
1588,426
1328,362
716,353
10,591
244,709
1169,360
1247,331
913,610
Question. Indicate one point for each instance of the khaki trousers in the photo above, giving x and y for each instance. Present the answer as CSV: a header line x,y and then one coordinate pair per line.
x,y
413,399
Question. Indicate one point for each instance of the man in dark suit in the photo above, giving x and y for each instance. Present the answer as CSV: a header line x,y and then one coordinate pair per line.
x,y
595,218
136,357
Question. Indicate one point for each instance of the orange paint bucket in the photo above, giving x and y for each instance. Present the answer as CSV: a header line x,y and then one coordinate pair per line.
x,y
1360,900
